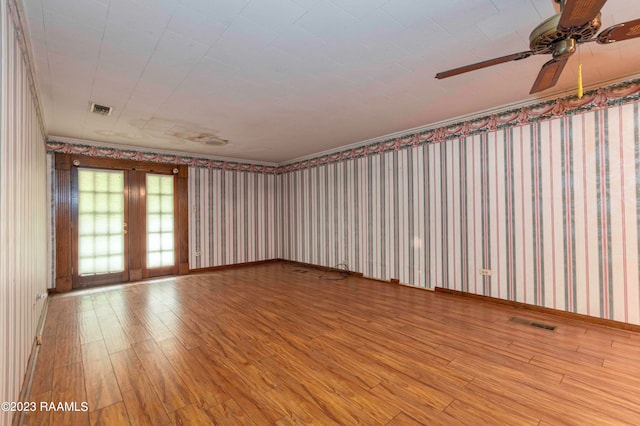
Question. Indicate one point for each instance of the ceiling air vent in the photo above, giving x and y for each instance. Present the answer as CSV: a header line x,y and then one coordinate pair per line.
x,y
100,109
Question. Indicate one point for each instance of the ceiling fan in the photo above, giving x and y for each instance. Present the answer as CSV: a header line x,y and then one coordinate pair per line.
x,y
577,23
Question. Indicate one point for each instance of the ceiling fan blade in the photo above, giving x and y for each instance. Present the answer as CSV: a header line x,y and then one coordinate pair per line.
x,y
549,74
576,13
620,32
484,64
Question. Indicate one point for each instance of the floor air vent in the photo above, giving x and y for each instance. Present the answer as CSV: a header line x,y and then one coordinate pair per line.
x,y
533,323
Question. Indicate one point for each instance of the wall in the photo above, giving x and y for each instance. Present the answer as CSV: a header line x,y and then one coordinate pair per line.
x,y
547,197
23,213
231,217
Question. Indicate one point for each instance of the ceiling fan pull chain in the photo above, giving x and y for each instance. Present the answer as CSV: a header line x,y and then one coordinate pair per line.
x,y
580,88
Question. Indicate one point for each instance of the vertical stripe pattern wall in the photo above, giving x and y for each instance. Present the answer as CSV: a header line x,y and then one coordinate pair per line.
x,y
232,217
51,226
551,207
23,209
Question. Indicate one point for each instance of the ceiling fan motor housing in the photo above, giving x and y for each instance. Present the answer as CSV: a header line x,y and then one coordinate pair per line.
x,y
545,37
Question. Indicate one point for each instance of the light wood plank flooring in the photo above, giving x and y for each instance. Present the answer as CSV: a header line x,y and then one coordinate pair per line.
x,y
272,345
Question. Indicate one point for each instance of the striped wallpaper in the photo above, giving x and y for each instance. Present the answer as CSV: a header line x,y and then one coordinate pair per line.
x,y
23,212
551,207
231,217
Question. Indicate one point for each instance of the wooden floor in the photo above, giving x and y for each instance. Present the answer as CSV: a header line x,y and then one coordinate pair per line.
x,y
273,345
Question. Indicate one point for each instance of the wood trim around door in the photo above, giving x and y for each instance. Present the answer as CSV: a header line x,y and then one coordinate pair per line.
x,y
182,215
62,212
136,223
63,209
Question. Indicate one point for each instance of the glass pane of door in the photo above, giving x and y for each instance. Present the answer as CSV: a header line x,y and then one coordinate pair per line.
x,y
101,222
160,240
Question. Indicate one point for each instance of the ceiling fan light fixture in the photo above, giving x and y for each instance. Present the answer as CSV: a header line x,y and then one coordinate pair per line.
x,y
566,47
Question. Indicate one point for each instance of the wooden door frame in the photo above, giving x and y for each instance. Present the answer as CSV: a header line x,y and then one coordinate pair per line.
x,y
63,207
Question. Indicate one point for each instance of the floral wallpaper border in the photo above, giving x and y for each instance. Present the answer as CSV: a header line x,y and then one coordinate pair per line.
x,y
127,154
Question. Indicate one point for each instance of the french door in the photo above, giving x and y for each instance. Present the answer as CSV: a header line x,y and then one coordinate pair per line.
x,y
101,240
123,224
160,251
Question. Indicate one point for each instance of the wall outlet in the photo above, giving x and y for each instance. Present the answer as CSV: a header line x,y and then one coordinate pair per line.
x,y
198,253
486,272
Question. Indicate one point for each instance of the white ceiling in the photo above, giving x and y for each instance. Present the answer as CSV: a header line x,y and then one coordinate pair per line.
x,y
282,79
